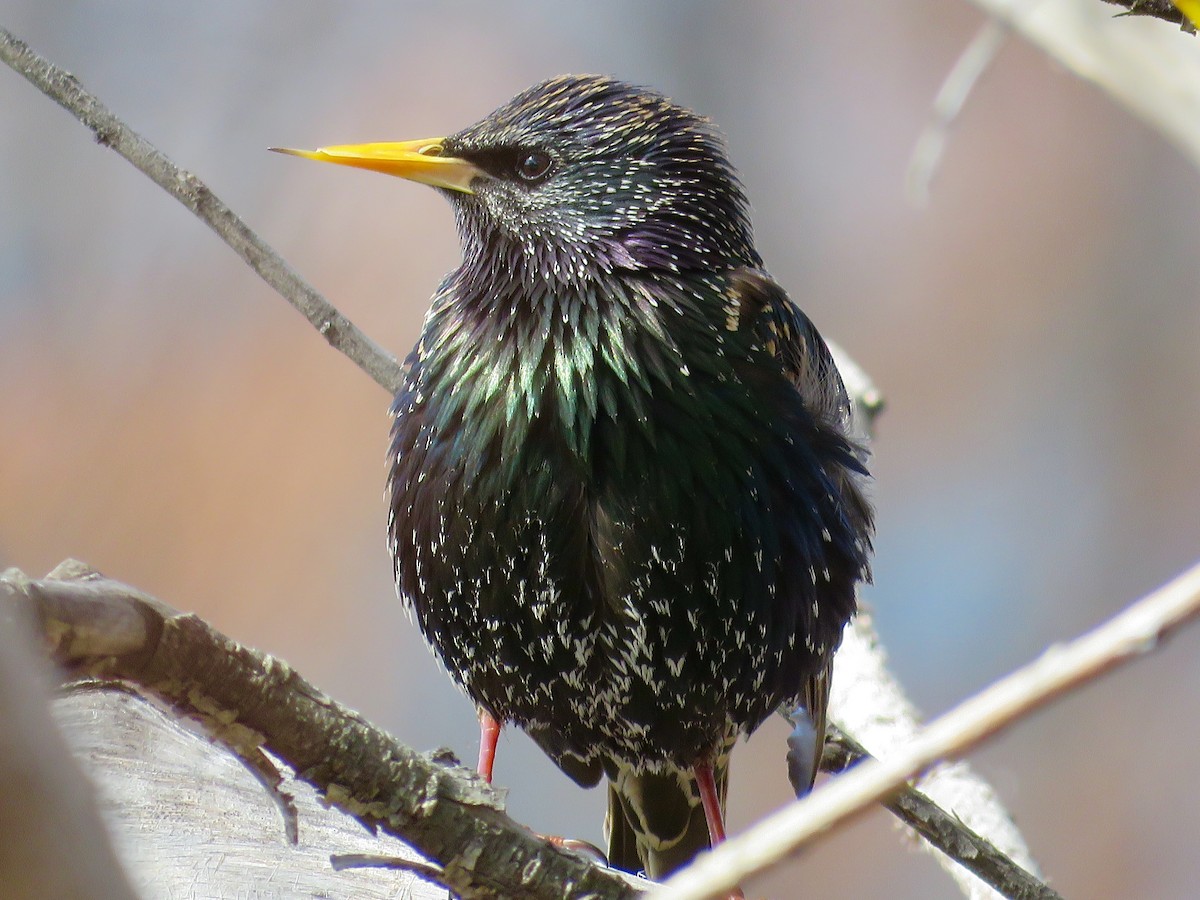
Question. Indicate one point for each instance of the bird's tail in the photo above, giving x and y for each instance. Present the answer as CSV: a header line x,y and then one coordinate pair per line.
x,y
655,821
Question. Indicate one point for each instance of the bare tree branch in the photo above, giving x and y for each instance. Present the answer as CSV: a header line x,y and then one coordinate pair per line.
x,y
1129,635
943,830
189,820
1152,72
951,97
97,627
65,89
869,703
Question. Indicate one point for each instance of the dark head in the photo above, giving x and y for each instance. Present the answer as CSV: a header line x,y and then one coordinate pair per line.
x,y
581,175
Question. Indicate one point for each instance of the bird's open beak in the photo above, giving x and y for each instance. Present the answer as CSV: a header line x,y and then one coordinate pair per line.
x,y
415,160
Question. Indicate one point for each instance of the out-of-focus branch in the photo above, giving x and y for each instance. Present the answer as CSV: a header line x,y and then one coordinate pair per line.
x,y
1129,635
1152,71
945,831
47,800
1083,37
97,627
65,89
951,96
869,703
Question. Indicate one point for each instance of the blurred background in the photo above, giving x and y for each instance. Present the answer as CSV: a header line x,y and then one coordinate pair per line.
x,y
1035,328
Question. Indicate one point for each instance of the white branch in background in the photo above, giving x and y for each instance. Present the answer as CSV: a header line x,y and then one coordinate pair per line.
x,y
872,707
1148,66
1129,635
867,702
955,90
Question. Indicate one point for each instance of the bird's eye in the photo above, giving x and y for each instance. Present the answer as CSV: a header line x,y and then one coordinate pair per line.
x,y
533,165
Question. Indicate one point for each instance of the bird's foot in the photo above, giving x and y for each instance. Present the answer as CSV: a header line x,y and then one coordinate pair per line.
x,y
575,845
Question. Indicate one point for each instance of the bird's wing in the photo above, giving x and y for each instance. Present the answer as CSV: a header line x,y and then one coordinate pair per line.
x,y
761,305
787,334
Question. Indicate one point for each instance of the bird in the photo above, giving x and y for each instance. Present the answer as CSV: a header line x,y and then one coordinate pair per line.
x,y
625,507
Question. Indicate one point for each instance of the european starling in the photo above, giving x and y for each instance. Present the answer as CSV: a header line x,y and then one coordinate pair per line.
x,y
625,510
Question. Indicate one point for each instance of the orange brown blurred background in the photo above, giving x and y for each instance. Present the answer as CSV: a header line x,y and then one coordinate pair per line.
x,y
1035,329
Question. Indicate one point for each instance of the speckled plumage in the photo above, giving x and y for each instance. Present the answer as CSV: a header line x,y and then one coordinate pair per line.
x,y
624,508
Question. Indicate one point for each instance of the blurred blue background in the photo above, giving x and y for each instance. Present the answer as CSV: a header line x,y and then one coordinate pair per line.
x,y
1035,330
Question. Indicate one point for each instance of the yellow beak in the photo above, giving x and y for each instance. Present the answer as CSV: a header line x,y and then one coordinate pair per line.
x,y
415,160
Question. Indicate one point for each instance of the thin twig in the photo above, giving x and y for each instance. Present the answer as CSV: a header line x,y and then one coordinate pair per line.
x,y
343,861
953,94
973,852
1127,636
65,89
872,707
868,702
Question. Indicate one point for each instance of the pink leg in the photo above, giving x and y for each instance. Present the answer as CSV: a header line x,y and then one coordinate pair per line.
x,y
489,734
712,803
712,810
